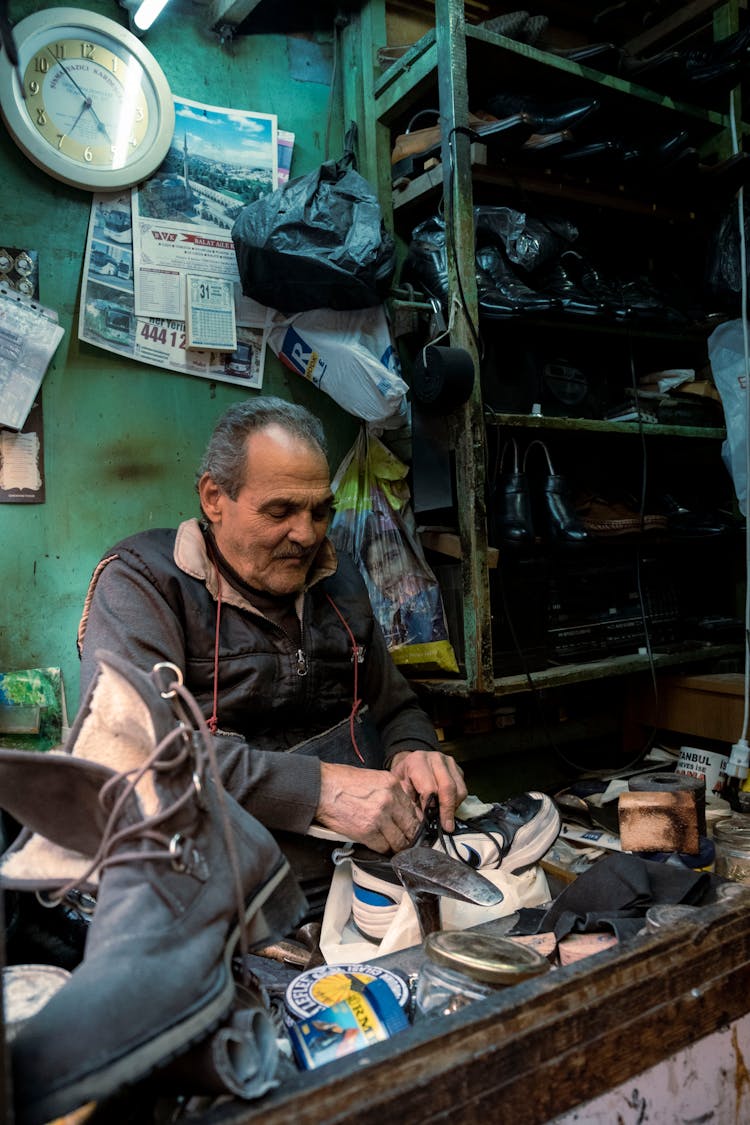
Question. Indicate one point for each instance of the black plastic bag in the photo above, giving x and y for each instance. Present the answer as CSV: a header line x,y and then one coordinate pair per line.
x,y
317,242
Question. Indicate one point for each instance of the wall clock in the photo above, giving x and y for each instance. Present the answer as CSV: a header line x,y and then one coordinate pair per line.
x,y
95,110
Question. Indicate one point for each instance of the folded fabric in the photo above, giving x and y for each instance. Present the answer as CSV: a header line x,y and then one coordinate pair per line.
x,y
615,894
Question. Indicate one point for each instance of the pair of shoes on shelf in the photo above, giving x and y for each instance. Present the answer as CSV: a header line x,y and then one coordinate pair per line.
x,y
500,294
699,74
521,514
520,26
511,836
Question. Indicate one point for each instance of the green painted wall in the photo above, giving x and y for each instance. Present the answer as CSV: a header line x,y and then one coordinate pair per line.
x,y
122,440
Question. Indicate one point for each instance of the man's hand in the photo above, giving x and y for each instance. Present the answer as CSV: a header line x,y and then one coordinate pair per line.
x,y
370,807
423,772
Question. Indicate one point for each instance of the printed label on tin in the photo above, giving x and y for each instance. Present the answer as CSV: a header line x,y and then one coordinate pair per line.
x,y
326,985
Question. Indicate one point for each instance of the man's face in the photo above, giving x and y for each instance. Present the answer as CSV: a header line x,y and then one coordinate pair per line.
x,y
271,533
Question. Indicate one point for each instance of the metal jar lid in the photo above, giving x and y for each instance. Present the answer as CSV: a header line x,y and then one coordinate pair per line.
x,y
664,916
493,960
733,832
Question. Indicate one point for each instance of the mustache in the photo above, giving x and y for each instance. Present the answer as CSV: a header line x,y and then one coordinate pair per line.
x,y
301,553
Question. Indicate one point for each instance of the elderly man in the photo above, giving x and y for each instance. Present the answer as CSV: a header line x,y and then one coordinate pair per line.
x,y
277,640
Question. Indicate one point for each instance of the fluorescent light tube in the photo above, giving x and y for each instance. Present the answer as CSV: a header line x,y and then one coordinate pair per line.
x,y
147,12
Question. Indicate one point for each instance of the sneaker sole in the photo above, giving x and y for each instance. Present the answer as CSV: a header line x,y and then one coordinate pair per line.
x,y
266,917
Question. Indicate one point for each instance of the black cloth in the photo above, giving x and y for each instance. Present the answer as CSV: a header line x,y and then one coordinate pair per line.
x,y
614,895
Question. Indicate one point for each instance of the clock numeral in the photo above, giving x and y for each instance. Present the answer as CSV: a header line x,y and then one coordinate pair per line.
x,y
40,64
60,138
139,113
58,50
88,155
34,87
41,118
114,63
87,50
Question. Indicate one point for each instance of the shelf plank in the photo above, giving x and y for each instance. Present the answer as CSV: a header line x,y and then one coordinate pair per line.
x,y
566,674
604,426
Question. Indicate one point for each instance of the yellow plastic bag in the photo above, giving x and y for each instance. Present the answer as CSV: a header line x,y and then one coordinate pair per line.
x,y
374,524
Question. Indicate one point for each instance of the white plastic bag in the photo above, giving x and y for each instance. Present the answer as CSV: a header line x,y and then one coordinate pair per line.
x,y
350,356
726,353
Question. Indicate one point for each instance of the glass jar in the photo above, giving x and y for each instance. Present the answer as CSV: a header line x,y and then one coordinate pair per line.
x,y
463,966
732,840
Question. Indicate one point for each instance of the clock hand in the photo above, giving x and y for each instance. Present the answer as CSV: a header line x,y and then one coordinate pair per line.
x,y
87,100
86,105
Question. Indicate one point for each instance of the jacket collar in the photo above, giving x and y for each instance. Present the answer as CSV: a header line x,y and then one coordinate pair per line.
x,y
191,556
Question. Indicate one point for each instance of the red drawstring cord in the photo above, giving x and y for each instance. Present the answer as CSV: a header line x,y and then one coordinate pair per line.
x,y
213,722
357,703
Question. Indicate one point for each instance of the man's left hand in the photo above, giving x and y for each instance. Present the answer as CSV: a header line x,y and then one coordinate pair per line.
x,y
424,772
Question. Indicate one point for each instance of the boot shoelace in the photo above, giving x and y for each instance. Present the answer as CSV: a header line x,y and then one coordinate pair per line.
x,y
195,746
431,831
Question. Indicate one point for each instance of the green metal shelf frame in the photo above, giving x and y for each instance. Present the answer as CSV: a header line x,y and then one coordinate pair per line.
x,y
440,58
603,426
564,675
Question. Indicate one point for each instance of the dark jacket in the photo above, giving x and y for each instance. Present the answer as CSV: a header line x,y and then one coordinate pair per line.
x,y
154,597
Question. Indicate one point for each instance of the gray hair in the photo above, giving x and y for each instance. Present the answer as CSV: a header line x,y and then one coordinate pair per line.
x,y
225,459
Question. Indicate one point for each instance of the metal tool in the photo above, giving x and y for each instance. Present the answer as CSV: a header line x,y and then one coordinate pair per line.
x,y
429,875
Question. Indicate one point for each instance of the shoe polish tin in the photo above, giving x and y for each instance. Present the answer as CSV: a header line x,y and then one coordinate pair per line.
x,y
325,985
362,1017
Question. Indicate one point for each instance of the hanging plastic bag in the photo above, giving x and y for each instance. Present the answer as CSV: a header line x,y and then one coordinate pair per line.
x,y
319,241
350,356
373,522
726,353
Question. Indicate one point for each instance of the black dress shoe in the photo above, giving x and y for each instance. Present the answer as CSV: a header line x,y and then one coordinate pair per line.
x,y
551,117
733,47
583,274
599,56
510,503
519,296
426,262
493,304
573,300
600,157
555,516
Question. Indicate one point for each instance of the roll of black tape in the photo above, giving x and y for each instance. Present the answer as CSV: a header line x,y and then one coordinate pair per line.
x,y
673,783
442,378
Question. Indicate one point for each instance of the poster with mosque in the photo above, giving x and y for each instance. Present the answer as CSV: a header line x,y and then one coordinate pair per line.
x,y
219,160
175,224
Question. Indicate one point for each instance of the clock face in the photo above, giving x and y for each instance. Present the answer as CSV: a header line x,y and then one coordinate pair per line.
x,y
95,110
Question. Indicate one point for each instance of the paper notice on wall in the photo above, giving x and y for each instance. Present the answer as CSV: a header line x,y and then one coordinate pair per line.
x,y
210,313
29,336
22,461
109,319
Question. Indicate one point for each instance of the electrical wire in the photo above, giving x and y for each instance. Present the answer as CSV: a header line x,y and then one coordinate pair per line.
x,y
746,352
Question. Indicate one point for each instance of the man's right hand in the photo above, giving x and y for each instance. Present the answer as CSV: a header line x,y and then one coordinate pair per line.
x,y
367,806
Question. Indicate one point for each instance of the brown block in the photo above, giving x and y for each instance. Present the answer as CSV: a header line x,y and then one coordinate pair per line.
x,y
658,822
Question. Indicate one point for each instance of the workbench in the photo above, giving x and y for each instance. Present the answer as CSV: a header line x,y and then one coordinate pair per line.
x,y
535,1051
